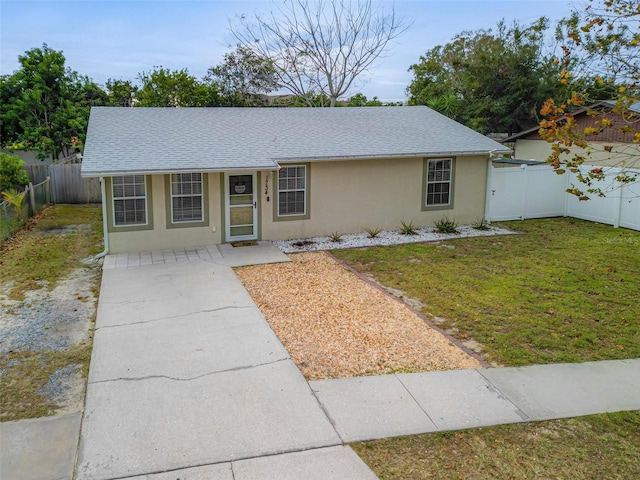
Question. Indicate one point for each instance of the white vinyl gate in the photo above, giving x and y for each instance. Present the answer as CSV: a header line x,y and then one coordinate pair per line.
x,y
517,193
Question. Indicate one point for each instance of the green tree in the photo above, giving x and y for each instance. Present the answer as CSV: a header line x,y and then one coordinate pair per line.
x,y
121,93
361,100
12,172
492,81
45,104
162,87
606,34
243,78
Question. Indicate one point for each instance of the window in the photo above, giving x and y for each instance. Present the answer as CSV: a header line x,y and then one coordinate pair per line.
x,y
438,188
292,191
186,197
129,200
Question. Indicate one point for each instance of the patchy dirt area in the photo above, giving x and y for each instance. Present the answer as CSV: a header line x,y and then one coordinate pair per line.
x,y
46,329
53,321
336,325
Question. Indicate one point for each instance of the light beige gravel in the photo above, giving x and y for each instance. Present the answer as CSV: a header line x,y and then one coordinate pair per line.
x,y
336,325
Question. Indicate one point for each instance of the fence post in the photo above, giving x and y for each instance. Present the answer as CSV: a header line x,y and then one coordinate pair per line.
x,y
524,191
566,194
47,191
616,218
6,216
32,199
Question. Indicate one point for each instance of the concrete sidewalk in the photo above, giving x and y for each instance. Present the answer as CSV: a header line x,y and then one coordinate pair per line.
x,y
367,408
188,380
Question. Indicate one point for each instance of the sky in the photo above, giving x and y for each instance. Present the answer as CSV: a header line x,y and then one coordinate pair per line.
x,y
120,38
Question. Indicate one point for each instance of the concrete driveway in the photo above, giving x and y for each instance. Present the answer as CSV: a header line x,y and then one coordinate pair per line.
x,y
186,373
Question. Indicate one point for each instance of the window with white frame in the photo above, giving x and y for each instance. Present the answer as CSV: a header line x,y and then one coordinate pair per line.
x,y
129,193
438,191
186,197
292,190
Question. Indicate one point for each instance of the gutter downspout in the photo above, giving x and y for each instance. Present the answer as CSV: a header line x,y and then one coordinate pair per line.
x,y
105,252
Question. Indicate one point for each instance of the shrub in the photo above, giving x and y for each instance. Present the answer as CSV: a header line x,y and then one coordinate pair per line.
x,y
12,172
335,237
444,225
481,224
373,232
407,228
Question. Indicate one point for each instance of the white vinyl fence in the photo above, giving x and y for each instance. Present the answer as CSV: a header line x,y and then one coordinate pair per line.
x,y
517,193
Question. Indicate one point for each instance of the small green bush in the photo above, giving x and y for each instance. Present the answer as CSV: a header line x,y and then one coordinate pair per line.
x,y
445,225
12,172
481,224
407,228
373,232
335,237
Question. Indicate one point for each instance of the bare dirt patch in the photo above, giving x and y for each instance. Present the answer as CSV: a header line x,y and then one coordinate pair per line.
x,y
336,325
41,339
48,297
50,320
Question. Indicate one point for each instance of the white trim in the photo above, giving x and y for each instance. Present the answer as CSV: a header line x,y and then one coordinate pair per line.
x,y
146,203
450,182
304,190
227,207
171,196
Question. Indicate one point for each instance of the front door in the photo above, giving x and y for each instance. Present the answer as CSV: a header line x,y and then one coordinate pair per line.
x,y
241,207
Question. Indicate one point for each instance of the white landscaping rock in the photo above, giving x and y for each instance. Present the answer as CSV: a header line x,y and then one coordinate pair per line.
x,y
355,240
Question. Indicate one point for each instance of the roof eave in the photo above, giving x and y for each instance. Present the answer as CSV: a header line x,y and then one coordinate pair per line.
x,y
398,156
116,173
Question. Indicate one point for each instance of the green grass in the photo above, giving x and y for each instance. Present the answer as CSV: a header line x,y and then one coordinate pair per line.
x,y
564,291
594,447
24,373
43,253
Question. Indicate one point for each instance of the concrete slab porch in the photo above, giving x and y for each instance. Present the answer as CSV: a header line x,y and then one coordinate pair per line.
x,y
223,254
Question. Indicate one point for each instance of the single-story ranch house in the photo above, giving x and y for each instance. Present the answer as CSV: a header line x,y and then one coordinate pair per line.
x,y
174,177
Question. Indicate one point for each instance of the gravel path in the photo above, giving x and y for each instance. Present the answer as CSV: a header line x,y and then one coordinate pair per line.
x,y
336,325
355,240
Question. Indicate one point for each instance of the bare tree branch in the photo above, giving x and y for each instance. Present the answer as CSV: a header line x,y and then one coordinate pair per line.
x,y
320,48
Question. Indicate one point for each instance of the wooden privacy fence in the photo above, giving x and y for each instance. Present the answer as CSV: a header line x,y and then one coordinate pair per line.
x,y
67,185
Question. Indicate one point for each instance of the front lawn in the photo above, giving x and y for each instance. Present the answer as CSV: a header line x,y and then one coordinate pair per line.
x,y
565,290
594,447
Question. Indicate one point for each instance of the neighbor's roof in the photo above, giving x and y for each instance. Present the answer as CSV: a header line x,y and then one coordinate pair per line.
x,y
157,140
634,107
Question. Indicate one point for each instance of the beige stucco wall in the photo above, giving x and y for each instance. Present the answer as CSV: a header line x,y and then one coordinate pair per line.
x,y
348,196
163,237
345,196
540,150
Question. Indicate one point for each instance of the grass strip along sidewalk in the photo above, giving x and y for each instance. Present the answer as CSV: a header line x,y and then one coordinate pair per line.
x,y
593,447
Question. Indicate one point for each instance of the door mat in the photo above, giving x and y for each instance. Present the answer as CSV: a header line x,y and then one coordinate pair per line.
x,y
249,243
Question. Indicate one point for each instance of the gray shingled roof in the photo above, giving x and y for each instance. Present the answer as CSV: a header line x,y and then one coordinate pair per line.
x,y
155,140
